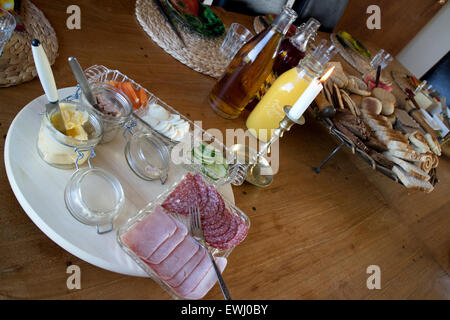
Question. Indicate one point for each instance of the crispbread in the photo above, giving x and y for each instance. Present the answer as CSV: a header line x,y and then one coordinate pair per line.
x,y
337,95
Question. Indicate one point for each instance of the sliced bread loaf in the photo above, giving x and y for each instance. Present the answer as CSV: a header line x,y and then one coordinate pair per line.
x,y
410,168
411,182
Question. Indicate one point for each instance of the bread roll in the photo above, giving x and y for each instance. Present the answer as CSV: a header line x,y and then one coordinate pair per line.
x,y
387,108
371,105
384,95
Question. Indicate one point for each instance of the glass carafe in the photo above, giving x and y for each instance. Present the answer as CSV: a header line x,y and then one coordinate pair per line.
x,y
293,49
249,68
290,52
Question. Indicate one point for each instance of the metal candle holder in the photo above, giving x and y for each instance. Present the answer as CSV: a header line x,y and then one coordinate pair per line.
x,y
256,162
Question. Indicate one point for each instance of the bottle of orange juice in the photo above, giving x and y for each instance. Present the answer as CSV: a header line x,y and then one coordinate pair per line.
x,y
286,90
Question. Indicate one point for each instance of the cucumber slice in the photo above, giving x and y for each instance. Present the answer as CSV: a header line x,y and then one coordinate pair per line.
x,y
205,154
214,164
209,152
215,171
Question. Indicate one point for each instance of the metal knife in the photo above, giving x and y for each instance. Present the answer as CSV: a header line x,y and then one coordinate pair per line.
x,y
82,81
47,80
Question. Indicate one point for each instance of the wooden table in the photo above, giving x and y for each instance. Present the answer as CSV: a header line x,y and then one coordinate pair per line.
x,y
312,236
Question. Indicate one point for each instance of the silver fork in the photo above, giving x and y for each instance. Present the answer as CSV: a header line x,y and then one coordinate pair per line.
x,y
195,224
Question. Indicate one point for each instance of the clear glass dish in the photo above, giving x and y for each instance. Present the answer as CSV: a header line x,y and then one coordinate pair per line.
x,y
236,171
131,222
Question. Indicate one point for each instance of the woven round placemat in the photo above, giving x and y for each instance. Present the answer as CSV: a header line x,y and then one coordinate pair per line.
x,y
200,53
16,61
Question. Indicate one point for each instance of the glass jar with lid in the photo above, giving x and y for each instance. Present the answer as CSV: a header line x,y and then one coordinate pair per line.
x,y
84,132
113,107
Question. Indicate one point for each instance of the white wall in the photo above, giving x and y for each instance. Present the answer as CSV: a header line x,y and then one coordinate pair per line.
x,y
429,45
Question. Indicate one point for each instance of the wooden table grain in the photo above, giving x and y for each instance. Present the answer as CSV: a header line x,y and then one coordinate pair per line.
x,y
312,235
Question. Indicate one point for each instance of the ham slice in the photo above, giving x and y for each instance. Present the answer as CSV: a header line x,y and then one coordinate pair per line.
x,y
208,281
195,277
187,268
150,233
169,245
176,259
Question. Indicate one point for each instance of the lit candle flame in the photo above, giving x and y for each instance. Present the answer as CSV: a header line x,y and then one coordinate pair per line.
x,y
327,74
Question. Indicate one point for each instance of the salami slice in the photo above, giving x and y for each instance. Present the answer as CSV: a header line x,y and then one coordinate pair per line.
x,y
184,196
224,235
211,208
202,191
240,235
217,219
217,230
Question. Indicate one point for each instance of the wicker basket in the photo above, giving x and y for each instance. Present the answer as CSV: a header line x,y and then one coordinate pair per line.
x,y
16,61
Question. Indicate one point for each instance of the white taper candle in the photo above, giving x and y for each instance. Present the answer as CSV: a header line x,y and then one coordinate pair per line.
x,y
305,99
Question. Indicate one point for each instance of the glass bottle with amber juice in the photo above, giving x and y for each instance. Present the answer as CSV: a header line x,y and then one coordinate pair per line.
x,y
286,90
249,68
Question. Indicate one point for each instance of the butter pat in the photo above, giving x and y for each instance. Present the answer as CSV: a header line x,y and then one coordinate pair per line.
x,y
72,119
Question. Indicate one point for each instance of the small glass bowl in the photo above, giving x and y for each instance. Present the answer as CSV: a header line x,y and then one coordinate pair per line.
x,y
89,206
118,103
61,151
